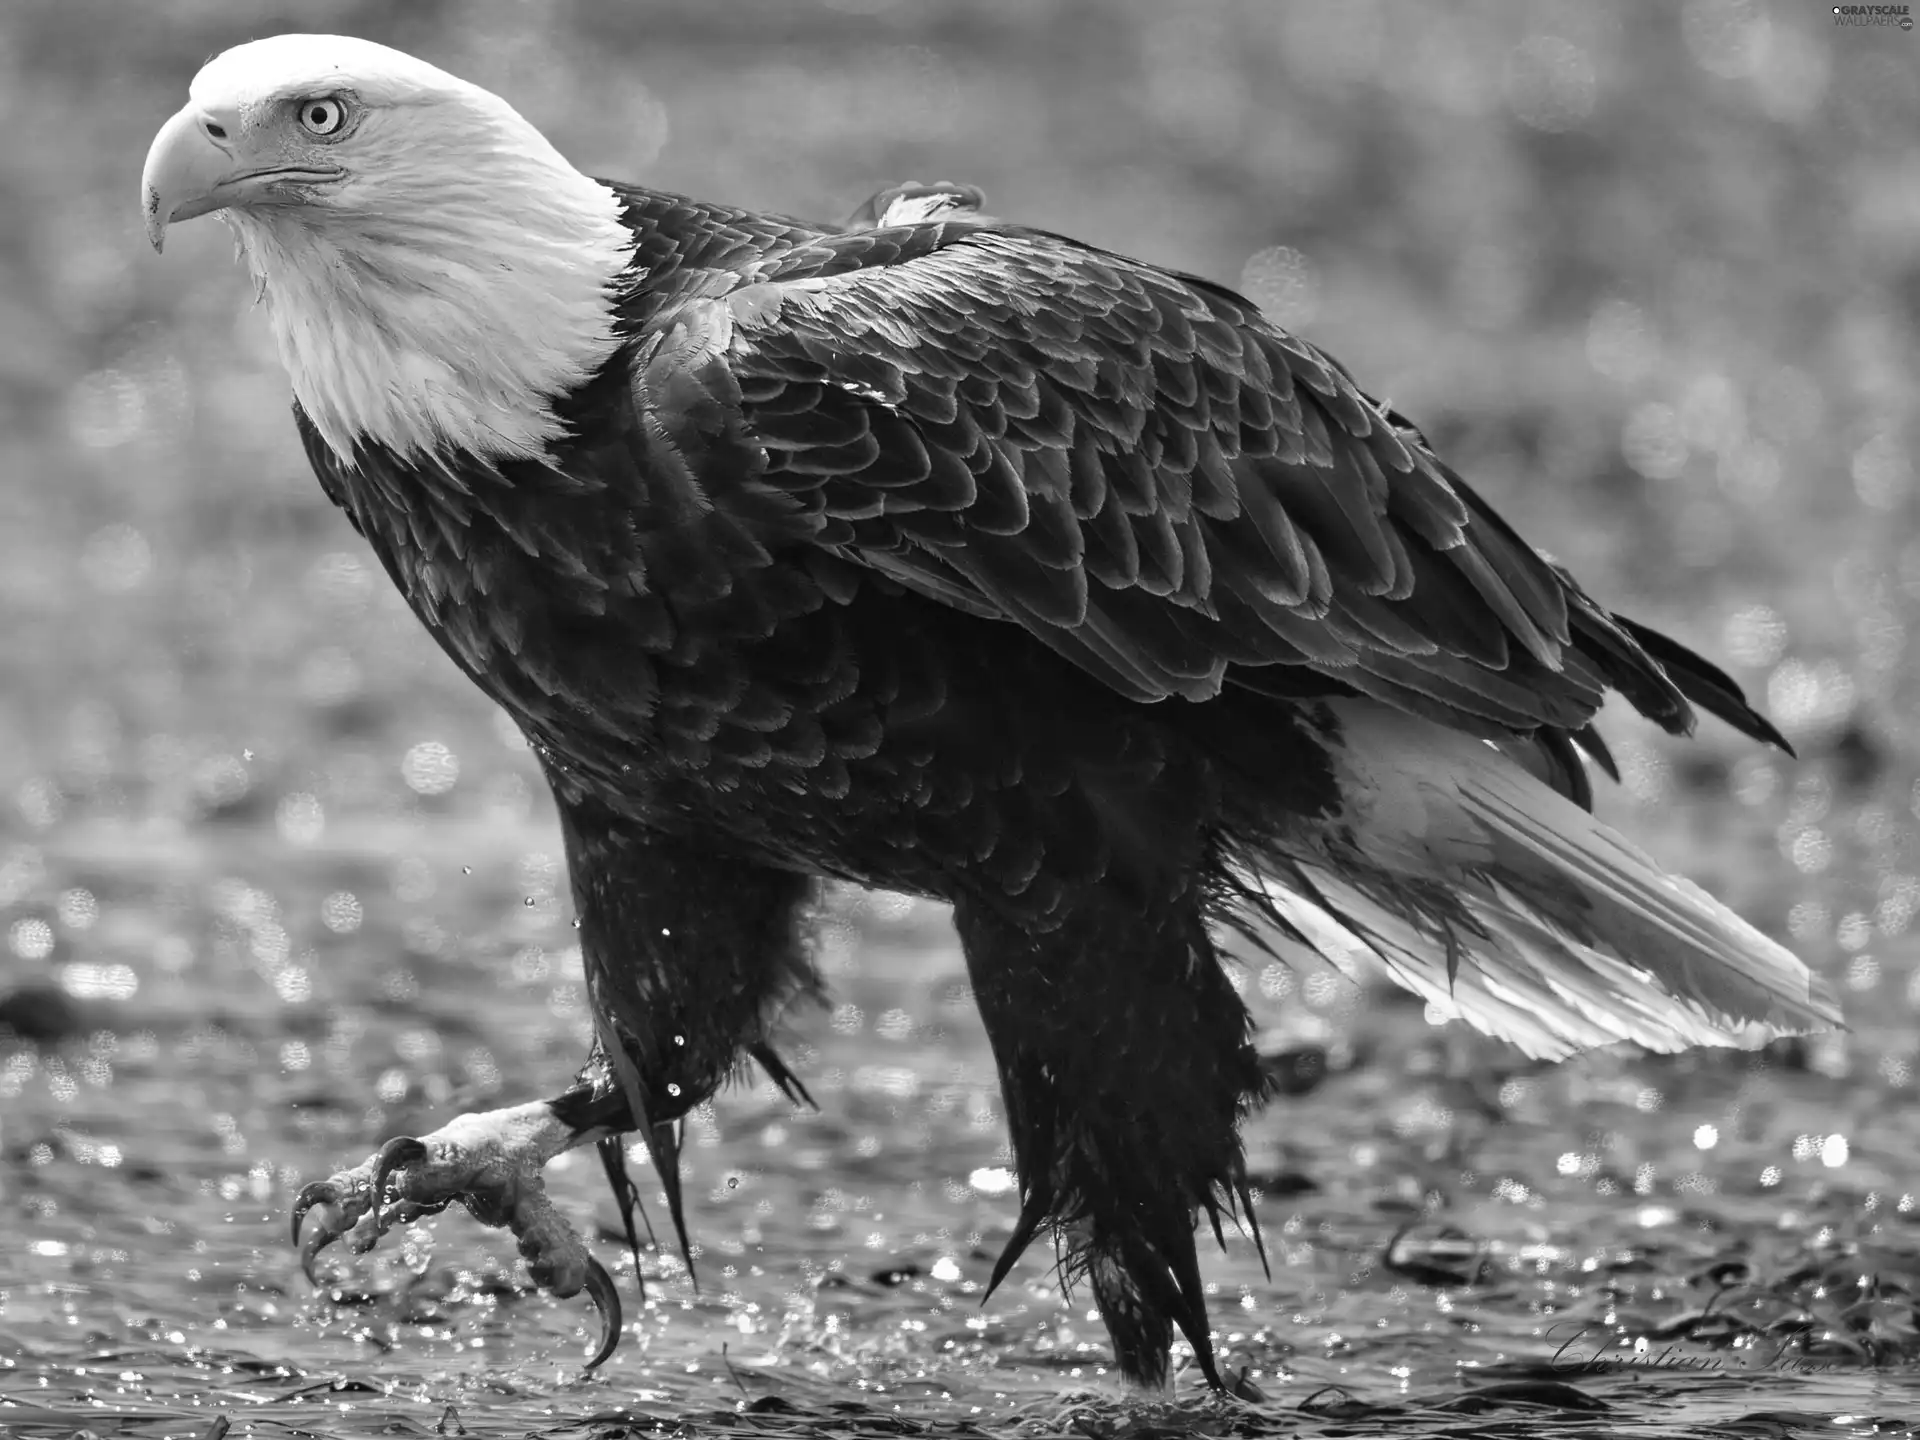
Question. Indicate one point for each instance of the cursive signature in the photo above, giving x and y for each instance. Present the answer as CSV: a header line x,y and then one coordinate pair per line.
x,y
1574,1355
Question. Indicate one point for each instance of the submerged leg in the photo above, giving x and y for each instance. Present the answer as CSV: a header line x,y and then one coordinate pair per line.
x,y
1126,1066
690,955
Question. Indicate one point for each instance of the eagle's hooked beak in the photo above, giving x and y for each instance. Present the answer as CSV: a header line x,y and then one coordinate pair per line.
x,y
189,172
196,166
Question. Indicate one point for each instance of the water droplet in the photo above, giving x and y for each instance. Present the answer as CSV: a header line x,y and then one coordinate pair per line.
x,y
672,1089
679,1039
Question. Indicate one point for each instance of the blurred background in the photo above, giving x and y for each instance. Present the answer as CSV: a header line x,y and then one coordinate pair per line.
x,y
275,882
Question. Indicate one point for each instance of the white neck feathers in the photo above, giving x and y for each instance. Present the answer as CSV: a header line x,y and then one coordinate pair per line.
x,y
453,320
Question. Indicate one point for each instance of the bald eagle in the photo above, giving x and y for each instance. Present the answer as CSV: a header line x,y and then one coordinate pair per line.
x,y
963,559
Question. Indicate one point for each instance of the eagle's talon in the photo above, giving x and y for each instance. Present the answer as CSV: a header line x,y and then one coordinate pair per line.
x,y
400,1151
337,1202
491,1164
310,1249
318,1192
606,1299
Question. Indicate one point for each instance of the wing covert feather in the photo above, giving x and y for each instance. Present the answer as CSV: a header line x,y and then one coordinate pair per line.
x,y
1142,470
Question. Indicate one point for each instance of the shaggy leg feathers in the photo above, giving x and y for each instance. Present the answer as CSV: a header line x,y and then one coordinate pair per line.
x,y
1126,1067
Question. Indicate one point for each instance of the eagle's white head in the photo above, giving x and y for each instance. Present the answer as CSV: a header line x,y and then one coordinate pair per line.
x,y
435,272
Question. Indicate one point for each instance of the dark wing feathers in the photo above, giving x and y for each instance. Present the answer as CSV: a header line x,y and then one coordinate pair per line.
x,y
1137,467
1702,682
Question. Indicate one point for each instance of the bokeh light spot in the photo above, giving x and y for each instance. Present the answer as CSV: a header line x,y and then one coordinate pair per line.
x,y
340,581
1621,344
992,1180
30,939
88,981
1284,283
1550,83
1728,38
340,912
430,768
1652,443
78,909
116,559
1882,472
1756,636
300,819
1806,700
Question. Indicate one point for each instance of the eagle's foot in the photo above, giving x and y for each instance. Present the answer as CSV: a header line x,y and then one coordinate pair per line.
x,y
491,1163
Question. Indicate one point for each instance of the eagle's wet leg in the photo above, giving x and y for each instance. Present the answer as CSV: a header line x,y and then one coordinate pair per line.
x,y
490,1162
690,954
1126,1066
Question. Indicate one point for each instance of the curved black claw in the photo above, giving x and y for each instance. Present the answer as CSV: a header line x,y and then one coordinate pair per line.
x,y
401,1150
318,1192
347,1199
310,1249
606,1299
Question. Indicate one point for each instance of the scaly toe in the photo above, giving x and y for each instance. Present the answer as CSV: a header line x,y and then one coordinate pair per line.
x,y
559,1263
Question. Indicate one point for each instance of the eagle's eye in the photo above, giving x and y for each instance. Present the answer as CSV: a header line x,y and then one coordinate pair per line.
x,y
324,115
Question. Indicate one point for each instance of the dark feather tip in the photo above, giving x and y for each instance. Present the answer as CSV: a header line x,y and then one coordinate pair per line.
x,y
1032,1215
789,1084
613,1159
663,1144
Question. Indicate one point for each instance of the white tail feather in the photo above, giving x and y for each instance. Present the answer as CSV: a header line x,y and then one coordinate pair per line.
x,y
1559,933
